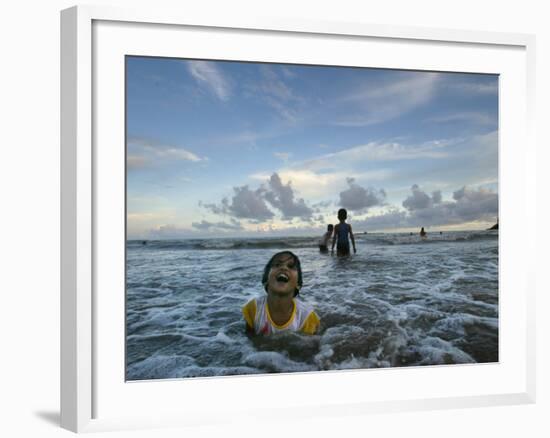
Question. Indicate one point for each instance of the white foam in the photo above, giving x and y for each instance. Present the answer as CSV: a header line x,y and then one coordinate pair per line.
x,y
436,351
354,363
159,367
275,362
456,323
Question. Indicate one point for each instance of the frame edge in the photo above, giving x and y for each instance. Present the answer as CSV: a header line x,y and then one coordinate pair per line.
x,y
530,87
76,191
68,358
75,212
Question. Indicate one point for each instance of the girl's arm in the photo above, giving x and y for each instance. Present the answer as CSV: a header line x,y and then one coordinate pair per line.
x,y
352,239
334,238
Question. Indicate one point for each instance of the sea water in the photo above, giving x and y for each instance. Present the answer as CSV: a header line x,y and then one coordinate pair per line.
x,y
400,301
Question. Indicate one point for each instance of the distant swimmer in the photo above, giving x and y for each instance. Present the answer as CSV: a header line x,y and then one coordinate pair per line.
x,y
144,242
341,233
423,234
323,243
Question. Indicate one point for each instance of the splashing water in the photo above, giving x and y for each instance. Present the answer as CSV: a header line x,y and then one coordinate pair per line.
x,y
400,301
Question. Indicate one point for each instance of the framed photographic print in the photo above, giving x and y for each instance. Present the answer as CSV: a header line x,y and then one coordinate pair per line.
x,y
291,207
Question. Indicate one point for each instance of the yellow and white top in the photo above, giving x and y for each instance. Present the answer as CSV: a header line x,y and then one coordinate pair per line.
x,y
303,318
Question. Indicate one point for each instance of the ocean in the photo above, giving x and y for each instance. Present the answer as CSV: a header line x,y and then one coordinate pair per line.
x,y
400,301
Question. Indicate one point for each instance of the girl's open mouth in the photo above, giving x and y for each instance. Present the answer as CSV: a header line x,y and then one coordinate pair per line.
x,y
282,278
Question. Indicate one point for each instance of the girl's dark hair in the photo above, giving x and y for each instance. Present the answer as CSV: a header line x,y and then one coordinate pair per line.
x,y
296,263
342,213
330,227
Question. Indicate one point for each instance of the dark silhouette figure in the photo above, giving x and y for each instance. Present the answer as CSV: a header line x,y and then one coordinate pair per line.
x,y
341,233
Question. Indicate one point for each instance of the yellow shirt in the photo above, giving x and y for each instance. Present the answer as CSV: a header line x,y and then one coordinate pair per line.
x,y
303,318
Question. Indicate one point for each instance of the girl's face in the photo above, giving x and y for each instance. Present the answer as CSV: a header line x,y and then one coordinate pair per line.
x,y
283,276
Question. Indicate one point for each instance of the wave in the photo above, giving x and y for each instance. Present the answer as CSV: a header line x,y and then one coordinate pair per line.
x,y
308,242
226,244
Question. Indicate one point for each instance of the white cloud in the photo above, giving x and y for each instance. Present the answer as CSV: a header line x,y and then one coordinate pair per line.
x,y
322,184
379,151
208,74
285,156
276,93
168,231
382,102
309,184
143,152
476,88
274,86
478,118
177,154
149,217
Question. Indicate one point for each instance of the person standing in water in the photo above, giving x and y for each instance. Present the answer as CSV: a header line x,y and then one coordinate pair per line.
x,y
422,233
323,243
341,233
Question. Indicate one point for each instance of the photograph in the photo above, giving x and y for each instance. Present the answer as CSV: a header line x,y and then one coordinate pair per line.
x,y
287,218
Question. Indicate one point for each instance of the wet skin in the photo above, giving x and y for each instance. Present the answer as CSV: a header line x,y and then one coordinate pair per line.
x,y
281,283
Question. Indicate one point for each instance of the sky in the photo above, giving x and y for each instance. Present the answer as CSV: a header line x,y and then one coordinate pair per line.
x,y
219,148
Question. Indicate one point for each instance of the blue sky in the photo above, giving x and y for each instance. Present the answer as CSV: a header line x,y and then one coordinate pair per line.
x,y
220,148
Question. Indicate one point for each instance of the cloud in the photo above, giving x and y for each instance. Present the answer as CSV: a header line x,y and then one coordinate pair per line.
x,y
378,103
143,152
380,151
468,205
216,209
476,87
274,91
274,86
322,204
283,155
218,226
288,73
281,196
136,162
245,204
323,183
207,73
360,199
168,231
393,218
176,154
310,184
252,204
479,118
419,199
249,204
473,204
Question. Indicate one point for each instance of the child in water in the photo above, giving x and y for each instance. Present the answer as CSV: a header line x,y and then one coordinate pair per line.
x,y
341,232
323,243
279,310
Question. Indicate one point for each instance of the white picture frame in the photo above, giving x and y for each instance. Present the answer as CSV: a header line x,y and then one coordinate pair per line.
x,y
94,395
